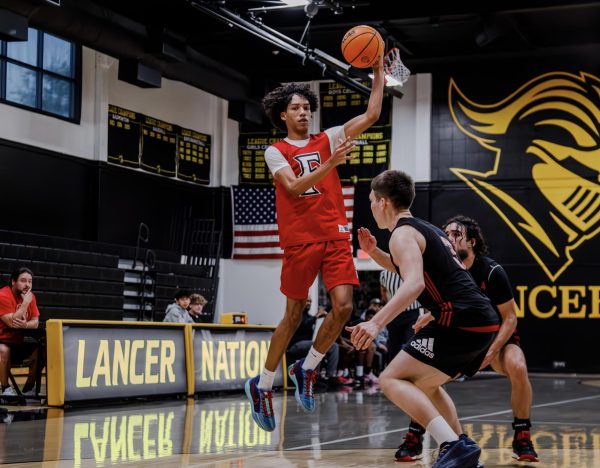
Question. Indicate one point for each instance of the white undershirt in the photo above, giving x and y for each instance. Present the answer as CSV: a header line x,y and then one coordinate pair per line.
x,y
276,161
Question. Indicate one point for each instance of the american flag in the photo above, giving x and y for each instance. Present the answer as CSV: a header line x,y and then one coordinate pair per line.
x,y
255,233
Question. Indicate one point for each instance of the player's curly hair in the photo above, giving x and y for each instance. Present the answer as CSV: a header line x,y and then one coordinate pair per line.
x,y
276,102
472,231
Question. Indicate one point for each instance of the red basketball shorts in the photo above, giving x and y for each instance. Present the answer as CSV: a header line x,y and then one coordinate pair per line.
x,y
302,263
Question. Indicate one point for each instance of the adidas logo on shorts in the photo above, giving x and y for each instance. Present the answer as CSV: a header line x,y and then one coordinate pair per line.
x,y
424,345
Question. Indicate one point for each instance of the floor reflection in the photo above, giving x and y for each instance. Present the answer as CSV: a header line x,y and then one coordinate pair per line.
x,y
219,431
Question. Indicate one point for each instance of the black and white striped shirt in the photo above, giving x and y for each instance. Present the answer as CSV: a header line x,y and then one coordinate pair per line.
x,y
391,282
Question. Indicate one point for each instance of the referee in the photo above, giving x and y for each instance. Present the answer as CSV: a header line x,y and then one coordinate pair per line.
x,y
400,329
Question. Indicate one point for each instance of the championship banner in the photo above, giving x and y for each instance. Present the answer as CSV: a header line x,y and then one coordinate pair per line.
x,y
100,360
226,356
371,156
193,156
124,133
159,147
252,144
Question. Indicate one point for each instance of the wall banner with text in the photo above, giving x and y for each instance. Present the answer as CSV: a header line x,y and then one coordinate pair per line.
x,y
225,357
140,141
340,104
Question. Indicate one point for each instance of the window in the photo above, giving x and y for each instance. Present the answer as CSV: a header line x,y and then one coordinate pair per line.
x,y
42,73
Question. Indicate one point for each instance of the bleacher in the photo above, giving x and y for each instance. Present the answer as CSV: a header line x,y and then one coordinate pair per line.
x,y
77,279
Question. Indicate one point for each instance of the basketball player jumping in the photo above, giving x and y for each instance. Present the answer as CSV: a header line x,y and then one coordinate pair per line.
x,y
455,342
313,231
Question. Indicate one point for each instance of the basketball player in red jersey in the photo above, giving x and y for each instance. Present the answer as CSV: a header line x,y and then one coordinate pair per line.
x,y
462,327
313,231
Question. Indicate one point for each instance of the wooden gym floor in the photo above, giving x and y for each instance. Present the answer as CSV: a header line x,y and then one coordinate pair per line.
x,y
352,428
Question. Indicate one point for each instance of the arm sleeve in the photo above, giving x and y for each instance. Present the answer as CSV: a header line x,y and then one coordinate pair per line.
x,y
499,289
335,134
274,159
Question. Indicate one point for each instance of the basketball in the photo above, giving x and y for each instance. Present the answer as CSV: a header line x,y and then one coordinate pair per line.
x,y
362,46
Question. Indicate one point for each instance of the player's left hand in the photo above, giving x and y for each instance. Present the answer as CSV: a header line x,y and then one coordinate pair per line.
x,y
363,334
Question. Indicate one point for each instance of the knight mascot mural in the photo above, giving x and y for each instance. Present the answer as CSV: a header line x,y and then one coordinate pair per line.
x,y
548,131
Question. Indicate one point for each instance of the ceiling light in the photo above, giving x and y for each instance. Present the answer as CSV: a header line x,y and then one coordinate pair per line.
x,y
294,3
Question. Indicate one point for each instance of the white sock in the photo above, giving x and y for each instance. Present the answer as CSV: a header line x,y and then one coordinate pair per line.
x,y
312,359
441,431
359,371
266,379
346,372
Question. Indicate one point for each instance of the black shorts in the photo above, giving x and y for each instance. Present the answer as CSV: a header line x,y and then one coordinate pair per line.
x,y
450,350
514,339
20,351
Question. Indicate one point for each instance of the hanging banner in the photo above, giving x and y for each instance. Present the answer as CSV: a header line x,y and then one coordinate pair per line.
x,y
193,156
340,104
124,133
159,147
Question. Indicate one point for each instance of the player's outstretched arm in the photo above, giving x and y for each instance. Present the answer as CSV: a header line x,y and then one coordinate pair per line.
x,y
360,123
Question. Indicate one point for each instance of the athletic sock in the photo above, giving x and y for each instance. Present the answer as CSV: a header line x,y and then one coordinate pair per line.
x,y
312,359
416,428
266,379
521,425
359,371
441,431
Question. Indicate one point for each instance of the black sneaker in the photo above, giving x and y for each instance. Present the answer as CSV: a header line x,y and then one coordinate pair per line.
x,y
411,448
523,447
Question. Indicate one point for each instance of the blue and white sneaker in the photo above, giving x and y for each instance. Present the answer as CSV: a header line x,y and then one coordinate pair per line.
x,y
261,404
305,383
459,453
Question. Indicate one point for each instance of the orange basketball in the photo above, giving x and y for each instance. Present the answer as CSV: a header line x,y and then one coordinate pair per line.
x,y
362,46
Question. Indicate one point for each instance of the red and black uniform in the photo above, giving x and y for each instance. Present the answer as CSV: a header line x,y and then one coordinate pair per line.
x,y
465,322
494,283
313,228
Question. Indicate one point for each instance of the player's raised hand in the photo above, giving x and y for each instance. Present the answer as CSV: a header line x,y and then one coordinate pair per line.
x,y
366,240
341,153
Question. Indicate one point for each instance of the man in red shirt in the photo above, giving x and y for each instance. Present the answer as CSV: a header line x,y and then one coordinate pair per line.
x,y
18,311
313,231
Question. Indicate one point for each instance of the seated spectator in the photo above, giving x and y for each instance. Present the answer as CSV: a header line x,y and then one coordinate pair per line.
x,y
197,303
302,341
374,307
177,312
18,311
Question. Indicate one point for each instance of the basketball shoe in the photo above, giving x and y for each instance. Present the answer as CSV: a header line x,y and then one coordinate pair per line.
x,y
261,404
523,447
411,448
460,453
305,383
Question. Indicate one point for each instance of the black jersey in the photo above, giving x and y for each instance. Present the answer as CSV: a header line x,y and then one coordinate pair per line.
x,y
450,292
492,280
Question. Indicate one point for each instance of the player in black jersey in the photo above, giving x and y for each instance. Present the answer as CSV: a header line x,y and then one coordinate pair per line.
x,y
462,327
505,354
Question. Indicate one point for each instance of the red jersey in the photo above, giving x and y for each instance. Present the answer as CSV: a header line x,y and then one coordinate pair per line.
x,y
319,214
8,305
